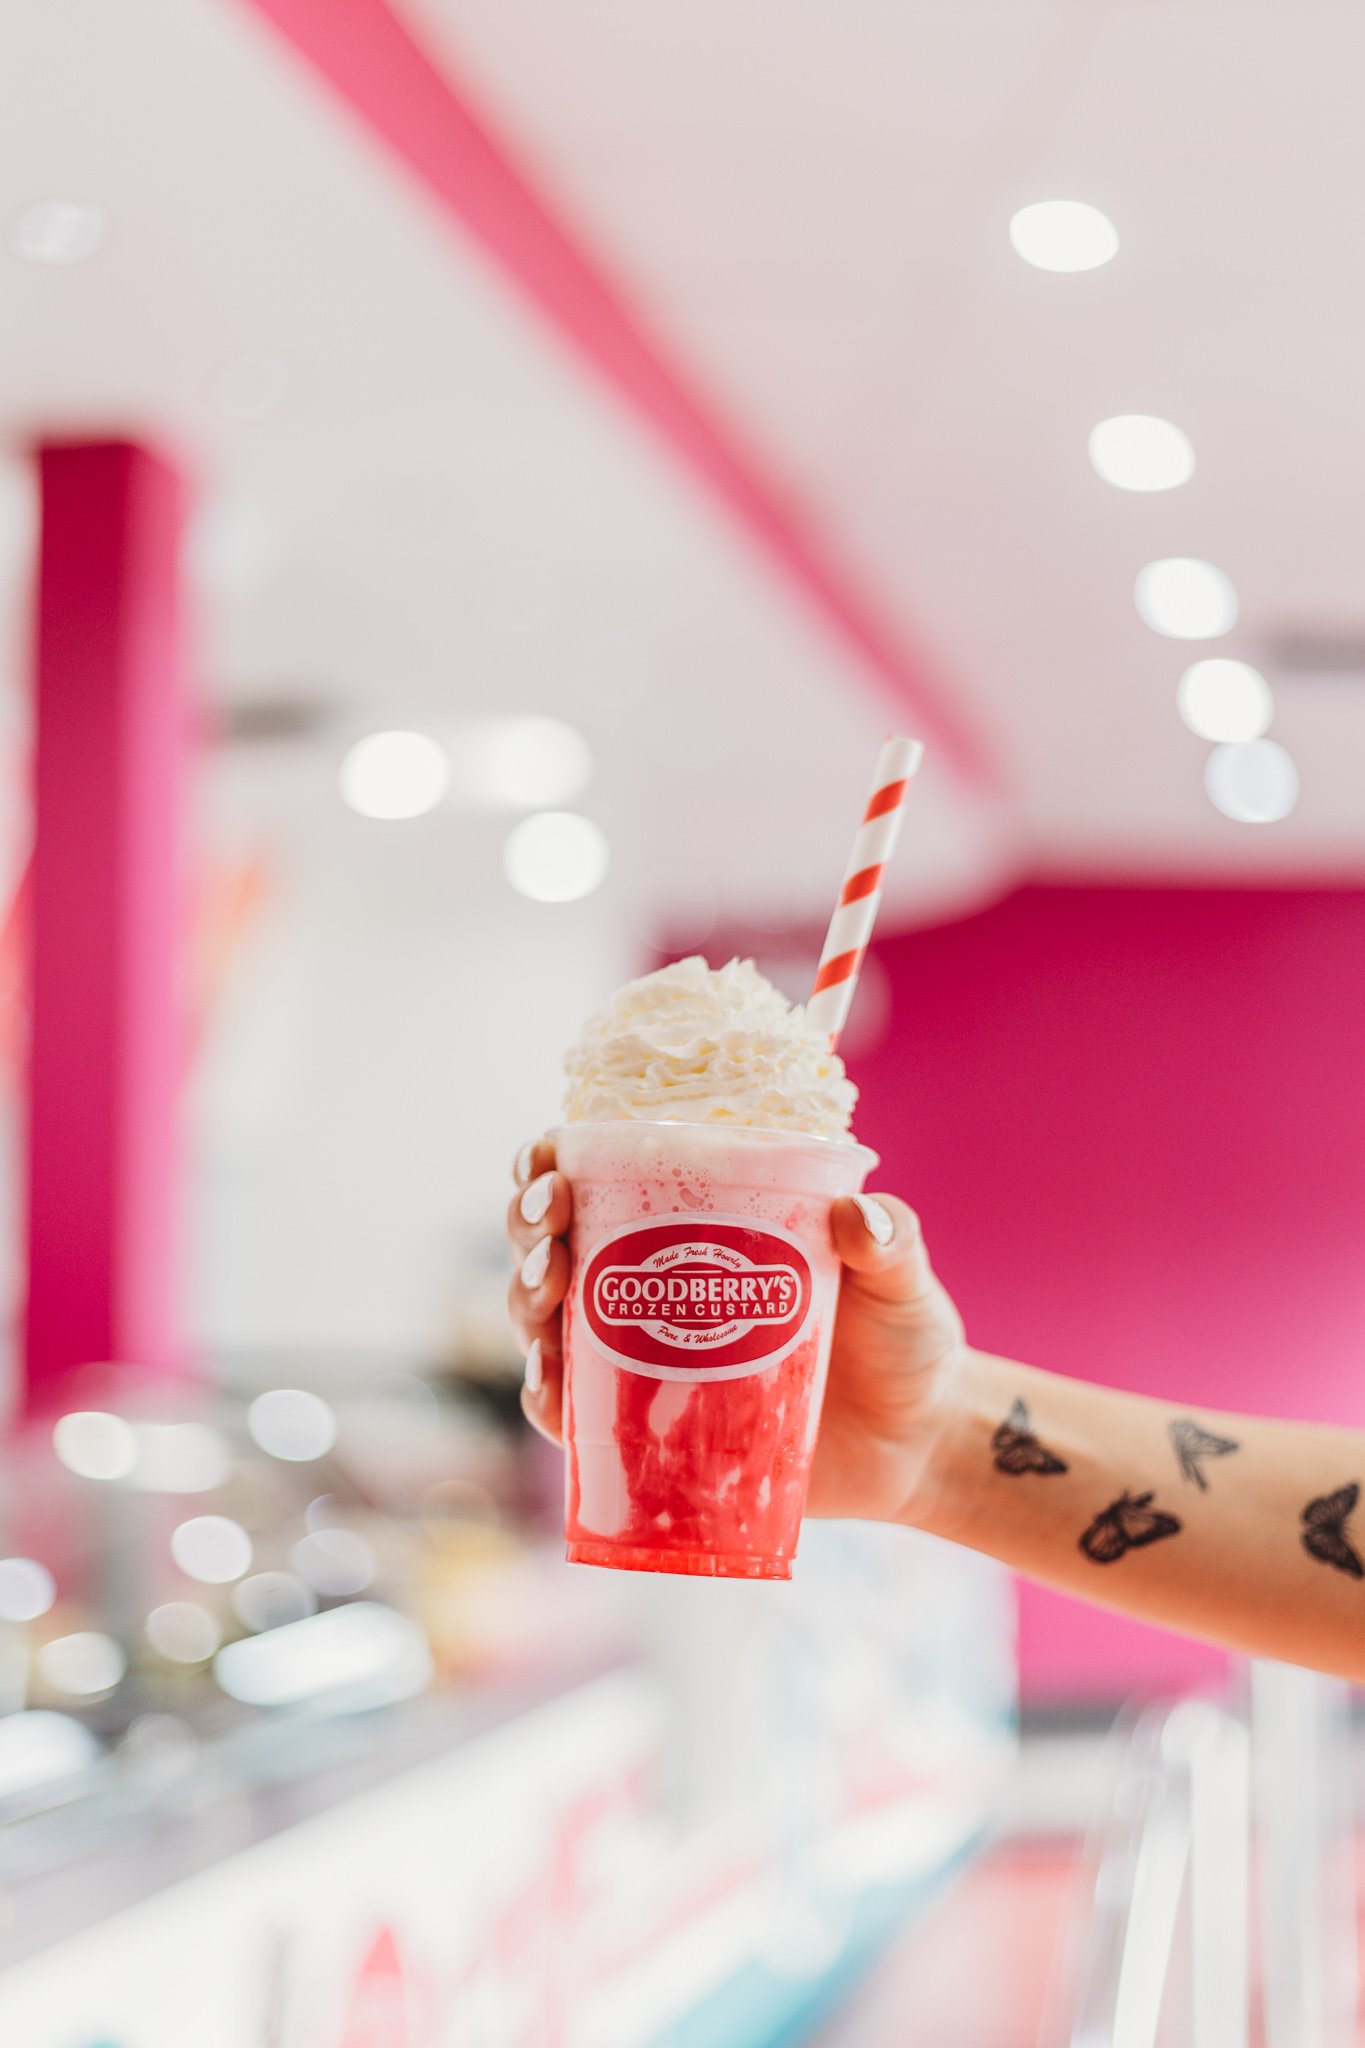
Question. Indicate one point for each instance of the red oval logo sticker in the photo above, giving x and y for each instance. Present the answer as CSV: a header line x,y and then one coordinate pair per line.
x,y
697,1297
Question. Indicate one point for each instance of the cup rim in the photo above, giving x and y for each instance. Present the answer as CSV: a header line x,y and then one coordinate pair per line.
x,y
719,1133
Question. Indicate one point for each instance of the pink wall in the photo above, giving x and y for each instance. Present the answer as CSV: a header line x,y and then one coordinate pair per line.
x,y
1134,1123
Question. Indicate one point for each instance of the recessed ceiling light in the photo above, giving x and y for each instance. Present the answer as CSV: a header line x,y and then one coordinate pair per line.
x,y
555,857
1186,599
1063,235
252,384
1255,781
58,231
521,763
1225,700
395,775
1135,451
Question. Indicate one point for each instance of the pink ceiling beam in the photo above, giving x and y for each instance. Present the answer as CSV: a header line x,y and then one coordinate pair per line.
x,y
107,1053
369,57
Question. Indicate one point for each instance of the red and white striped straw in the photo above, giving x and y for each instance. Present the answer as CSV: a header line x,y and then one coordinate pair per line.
x,y
850,928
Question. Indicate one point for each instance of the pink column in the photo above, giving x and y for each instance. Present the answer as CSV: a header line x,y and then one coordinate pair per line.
x,y
107,1050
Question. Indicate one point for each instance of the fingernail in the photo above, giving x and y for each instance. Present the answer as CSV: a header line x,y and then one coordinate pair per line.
x,y
535,1369
536,1264
536,1200
525,1163
880,1222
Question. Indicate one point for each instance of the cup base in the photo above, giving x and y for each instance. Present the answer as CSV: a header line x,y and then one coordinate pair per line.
x,y
694,1564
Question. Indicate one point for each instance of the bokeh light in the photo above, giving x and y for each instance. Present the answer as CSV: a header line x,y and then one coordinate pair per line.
x,y
1225,700
395,775
555,857
521,763
232,545
59,231
368,1652
271,1600
334,1561
178,1457
95,1445
1063,235
183,1632
292,1424
211,1548
82,1664
1186,599
1135,451
27,1589
1254,782
38,1747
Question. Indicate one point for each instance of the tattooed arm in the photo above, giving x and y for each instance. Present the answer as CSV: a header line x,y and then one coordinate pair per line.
x,y
1262,1555
1229,1527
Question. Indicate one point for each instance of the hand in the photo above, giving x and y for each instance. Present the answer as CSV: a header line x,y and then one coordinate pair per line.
x,y
897,1339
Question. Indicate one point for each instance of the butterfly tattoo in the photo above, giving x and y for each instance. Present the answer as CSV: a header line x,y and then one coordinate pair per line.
x,y
1324,1530
1193,1444
1129,1524
1018,1450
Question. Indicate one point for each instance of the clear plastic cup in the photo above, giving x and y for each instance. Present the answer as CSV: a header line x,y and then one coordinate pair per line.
x,y
696,1340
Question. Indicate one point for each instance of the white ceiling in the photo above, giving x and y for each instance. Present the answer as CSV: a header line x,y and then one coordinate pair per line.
x,y
447,516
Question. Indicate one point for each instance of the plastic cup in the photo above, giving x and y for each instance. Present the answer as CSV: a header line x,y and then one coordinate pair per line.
x,y
696,1341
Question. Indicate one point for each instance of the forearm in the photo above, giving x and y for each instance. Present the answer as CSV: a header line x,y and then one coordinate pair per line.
x,y
1230,1527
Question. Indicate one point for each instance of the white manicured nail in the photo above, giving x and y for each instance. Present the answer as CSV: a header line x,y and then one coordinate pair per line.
x,y
536,1264
525,1163
535,1369
880,1222
537,1198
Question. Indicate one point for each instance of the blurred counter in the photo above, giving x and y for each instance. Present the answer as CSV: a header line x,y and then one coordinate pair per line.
x,y
310,1739
704,1845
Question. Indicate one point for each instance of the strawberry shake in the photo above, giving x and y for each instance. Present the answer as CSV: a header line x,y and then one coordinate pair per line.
x,y
707,1135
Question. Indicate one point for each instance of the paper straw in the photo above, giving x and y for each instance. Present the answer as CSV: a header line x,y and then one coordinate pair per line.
x,y
850,928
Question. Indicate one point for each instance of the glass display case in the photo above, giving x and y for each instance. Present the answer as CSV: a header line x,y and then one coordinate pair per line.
x,y
312,1740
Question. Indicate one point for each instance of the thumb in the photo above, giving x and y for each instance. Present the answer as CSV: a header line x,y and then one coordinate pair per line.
x,y
879,1238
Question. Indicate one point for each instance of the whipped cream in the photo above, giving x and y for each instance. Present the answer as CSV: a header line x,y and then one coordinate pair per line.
x,y
701,1045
